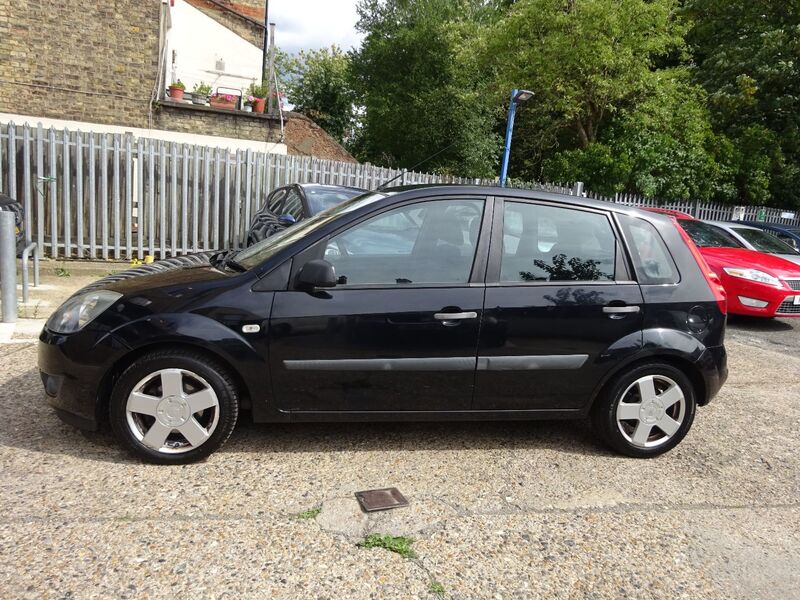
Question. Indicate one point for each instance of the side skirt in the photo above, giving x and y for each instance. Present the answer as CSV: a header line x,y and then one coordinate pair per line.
x,y
421,416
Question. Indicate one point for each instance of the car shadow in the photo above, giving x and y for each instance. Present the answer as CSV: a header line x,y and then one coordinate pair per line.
x,y
758,324
28,423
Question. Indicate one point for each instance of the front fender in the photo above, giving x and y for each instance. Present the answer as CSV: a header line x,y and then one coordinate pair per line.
x,y
247,357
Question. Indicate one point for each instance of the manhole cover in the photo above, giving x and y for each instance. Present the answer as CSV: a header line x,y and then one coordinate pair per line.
x,y
372,500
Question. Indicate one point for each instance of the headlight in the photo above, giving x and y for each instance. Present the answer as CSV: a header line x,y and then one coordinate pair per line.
x,y
78,311
753,275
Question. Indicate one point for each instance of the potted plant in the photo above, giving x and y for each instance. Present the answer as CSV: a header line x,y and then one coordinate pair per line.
x,y
200,93
248,104
176,90
224,101
259,94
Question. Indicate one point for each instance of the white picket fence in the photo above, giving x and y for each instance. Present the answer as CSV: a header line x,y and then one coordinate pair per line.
x,y
97,195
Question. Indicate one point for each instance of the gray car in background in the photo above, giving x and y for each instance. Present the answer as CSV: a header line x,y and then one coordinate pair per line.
x,y
758,240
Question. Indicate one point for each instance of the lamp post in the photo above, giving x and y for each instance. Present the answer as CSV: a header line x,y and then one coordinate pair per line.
x,y
517,97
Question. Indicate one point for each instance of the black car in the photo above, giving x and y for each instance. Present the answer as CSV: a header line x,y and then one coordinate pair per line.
x,y
292,203
428,303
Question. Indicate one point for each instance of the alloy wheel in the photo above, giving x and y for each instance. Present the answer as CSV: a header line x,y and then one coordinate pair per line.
x,y
172,411
651,411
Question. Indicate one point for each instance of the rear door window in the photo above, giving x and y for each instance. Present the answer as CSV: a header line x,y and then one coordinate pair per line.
x,y
549,243
653,262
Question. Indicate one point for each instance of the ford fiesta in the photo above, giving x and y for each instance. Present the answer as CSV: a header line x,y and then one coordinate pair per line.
x,y
437,303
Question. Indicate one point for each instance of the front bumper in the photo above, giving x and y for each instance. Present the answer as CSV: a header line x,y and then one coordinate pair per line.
x,y
780,301
70,382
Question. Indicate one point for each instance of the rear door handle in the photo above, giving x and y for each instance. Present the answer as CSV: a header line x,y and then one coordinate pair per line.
x,y
458,316
615,310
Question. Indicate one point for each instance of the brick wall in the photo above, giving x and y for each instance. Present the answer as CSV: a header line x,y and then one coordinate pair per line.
x,y
306,138
210,121
73,59
97,61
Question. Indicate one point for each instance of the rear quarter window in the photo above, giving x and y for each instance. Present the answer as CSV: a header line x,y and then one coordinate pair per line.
x,y
651,259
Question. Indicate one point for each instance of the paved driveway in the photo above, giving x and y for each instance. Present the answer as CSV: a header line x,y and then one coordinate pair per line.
x,y
500,510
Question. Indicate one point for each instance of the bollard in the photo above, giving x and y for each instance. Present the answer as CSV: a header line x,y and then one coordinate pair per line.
x,y
8,267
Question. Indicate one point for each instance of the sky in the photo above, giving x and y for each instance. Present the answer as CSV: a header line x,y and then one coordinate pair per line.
x,y
309,24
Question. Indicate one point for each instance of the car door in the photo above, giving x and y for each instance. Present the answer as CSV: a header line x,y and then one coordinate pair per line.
x,y
399,331
560,307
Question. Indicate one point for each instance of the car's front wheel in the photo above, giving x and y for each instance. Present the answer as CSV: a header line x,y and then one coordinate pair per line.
x,y
646,411
174,407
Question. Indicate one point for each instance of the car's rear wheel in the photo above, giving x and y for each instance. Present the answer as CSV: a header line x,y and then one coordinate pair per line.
x,y
646,411
174,407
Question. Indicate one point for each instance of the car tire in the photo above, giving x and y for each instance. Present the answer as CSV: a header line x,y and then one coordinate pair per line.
x,y
155,398
645,411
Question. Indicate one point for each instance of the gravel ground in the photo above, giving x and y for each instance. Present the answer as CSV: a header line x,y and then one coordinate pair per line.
x,y
498,510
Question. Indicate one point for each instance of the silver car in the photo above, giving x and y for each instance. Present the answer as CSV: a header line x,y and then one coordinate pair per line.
x,y
759,240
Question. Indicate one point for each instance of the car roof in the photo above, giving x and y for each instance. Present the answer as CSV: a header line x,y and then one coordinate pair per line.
x,y
731,224
678,214
777,226
327,186
412,191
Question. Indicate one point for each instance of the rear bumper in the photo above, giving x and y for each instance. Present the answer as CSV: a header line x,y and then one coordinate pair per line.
x,y
713,365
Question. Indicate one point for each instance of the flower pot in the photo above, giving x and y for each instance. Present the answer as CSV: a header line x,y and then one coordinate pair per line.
x,y
260,105
223,104
176,93
199,99
248,108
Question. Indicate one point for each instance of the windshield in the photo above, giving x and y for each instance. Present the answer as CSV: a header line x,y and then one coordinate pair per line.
x,y
764,242
320,198
705,235
261,251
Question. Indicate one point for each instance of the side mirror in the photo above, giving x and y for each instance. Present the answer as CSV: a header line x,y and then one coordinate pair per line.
x,y
316,274
287,220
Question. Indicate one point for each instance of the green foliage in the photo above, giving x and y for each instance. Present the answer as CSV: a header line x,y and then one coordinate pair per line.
x,y
748,60
584,60
318,83
201,89
437,589
417,81
258,90
179,85
62,272
311,513
397,544
661,146
676,99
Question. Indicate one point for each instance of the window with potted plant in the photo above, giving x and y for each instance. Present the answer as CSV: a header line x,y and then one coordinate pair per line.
x,y
224,101
200,93
259,93
176,90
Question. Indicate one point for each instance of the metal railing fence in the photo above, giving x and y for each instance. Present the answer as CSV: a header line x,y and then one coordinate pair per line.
x,y
99,195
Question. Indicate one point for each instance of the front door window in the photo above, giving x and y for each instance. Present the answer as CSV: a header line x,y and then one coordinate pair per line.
x,y
423,243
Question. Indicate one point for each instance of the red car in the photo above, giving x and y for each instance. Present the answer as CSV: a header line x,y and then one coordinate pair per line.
x,y
757,284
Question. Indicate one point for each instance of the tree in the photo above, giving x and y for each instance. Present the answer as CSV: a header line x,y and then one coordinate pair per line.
x,y
318,84
583,60
662,146
748,59
416,79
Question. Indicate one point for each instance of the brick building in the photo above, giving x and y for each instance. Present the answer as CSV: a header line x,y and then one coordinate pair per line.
x,y
104,62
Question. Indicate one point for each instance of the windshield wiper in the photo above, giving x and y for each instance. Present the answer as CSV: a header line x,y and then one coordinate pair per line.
x,y
224,260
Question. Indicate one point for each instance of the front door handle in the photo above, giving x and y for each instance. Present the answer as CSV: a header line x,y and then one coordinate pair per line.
x,y
455,316
615,310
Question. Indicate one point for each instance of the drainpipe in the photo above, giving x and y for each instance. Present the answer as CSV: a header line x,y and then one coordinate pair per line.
x,y
265,44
